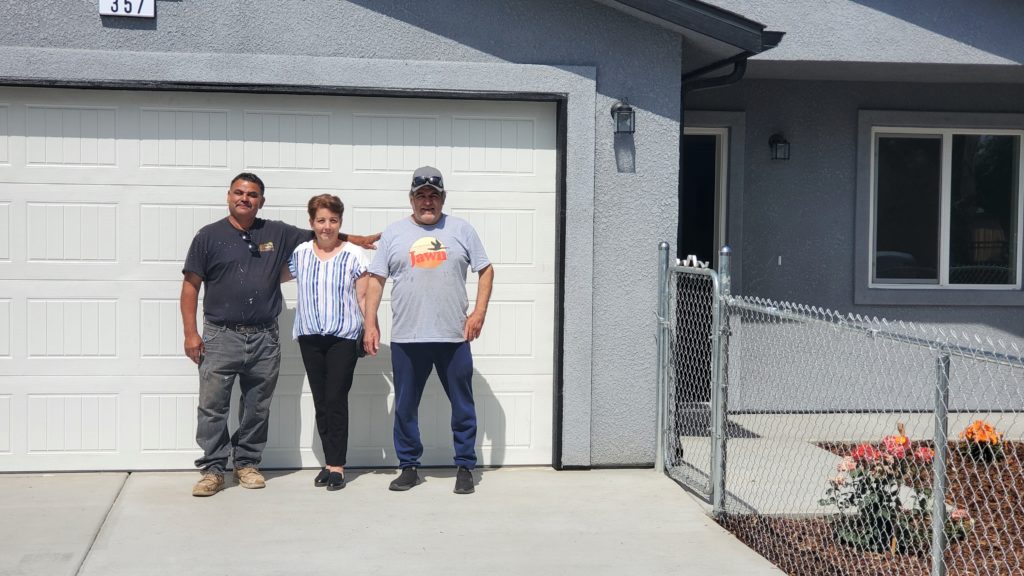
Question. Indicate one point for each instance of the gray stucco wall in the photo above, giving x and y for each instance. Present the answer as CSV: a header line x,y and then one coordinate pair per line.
x,y
590,53
916,31
804,209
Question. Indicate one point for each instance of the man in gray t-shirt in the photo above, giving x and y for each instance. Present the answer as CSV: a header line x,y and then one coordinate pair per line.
x,y
426,256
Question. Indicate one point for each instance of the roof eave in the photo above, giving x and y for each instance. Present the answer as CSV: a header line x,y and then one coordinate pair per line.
x,y
695,16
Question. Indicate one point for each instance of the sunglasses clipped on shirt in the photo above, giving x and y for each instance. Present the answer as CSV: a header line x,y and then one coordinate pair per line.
x,y
253,248
435,181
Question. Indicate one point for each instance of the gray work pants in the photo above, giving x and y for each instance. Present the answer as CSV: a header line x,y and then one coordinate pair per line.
x,y
254,357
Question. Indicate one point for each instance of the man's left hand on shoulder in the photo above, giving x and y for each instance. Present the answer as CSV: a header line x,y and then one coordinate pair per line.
x,y
474,324
368,242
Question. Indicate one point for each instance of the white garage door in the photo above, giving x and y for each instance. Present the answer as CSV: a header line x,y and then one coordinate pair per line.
x,y
102,191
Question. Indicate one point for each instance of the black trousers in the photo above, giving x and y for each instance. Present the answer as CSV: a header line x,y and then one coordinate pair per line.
x,y
330,362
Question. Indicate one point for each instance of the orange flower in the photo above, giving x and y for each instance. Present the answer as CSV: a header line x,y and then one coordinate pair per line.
x,y
981,432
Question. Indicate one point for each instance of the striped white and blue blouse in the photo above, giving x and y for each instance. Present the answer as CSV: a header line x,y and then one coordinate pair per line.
x,y
327,303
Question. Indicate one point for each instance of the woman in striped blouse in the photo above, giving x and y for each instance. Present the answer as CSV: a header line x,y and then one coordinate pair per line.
x,y
331,277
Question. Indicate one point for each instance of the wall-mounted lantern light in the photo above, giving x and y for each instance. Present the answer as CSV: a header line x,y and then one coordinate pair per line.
x,y
779,146
625,119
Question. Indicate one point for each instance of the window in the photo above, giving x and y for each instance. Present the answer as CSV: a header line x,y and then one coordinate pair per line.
x,y
945,208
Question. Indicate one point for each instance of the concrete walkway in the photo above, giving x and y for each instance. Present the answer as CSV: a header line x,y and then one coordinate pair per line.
x,y
520,521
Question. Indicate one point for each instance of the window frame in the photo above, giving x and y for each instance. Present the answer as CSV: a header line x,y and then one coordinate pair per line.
x,y
945,194
871,124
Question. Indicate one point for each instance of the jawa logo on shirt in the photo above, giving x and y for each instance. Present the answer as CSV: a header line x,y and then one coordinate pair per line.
x,y
427,252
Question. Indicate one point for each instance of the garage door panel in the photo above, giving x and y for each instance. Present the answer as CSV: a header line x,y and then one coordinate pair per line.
x,y
5,234
382,143
142,329
102,192
70,423
6,426
308,143
166,231
507,410
89,429
287,140
72,232
6,329
183,138
71,136
5,147
168,422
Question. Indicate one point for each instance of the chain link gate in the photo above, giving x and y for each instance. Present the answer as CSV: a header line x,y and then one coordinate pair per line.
x,y
689,330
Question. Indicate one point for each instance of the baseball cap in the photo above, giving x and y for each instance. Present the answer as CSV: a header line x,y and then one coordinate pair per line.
x,y
427,176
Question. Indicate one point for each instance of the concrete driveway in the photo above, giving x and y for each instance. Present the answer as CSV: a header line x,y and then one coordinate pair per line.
x,y
519,521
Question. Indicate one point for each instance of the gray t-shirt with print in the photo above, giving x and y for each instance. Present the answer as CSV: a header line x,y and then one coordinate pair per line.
x,y
427,265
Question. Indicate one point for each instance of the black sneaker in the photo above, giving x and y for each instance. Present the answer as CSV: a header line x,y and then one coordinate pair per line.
x,y
321,479
406,480
464,481
335,481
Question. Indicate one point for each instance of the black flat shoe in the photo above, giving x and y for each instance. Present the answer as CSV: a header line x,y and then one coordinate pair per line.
x,y
321,479
336,481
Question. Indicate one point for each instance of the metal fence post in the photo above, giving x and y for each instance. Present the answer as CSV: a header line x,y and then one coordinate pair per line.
x,y
663,256
719,388
939,466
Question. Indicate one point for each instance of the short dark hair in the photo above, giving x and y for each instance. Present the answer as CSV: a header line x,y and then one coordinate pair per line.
x,y
332,203
249,177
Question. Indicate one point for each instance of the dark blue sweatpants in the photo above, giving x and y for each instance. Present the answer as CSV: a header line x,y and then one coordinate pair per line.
x,y
412,363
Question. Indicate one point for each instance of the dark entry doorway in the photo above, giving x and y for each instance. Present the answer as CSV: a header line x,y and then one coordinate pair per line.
x,y
701,234
702,226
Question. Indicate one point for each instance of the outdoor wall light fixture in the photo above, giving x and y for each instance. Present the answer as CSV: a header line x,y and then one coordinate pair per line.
x,y
779,146
625,119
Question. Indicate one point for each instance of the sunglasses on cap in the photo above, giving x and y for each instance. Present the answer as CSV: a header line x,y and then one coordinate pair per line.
x,y
435,181
253,248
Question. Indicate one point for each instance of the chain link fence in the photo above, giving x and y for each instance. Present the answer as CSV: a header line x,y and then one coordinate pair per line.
x,y
689,450
838,444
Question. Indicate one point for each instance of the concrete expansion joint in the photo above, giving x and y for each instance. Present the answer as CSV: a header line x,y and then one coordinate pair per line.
x,y
101,524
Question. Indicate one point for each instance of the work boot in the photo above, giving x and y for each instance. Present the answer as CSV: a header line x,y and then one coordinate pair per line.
x,y
249,477
406,480
208,485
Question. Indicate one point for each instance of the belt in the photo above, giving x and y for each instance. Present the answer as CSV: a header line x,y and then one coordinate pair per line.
x,y
246,328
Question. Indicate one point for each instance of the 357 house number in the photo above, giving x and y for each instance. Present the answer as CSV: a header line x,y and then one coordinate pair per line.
x,y
136,8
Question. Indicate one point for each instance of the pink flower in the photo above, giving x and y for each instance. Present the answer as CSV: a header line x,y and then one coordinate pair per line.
x,y
847,464
924,454
959,514
866,453
898,445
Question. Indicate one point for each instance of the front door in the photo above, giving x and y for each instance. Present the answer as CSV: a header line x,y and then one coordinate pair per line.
x,y
702,226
